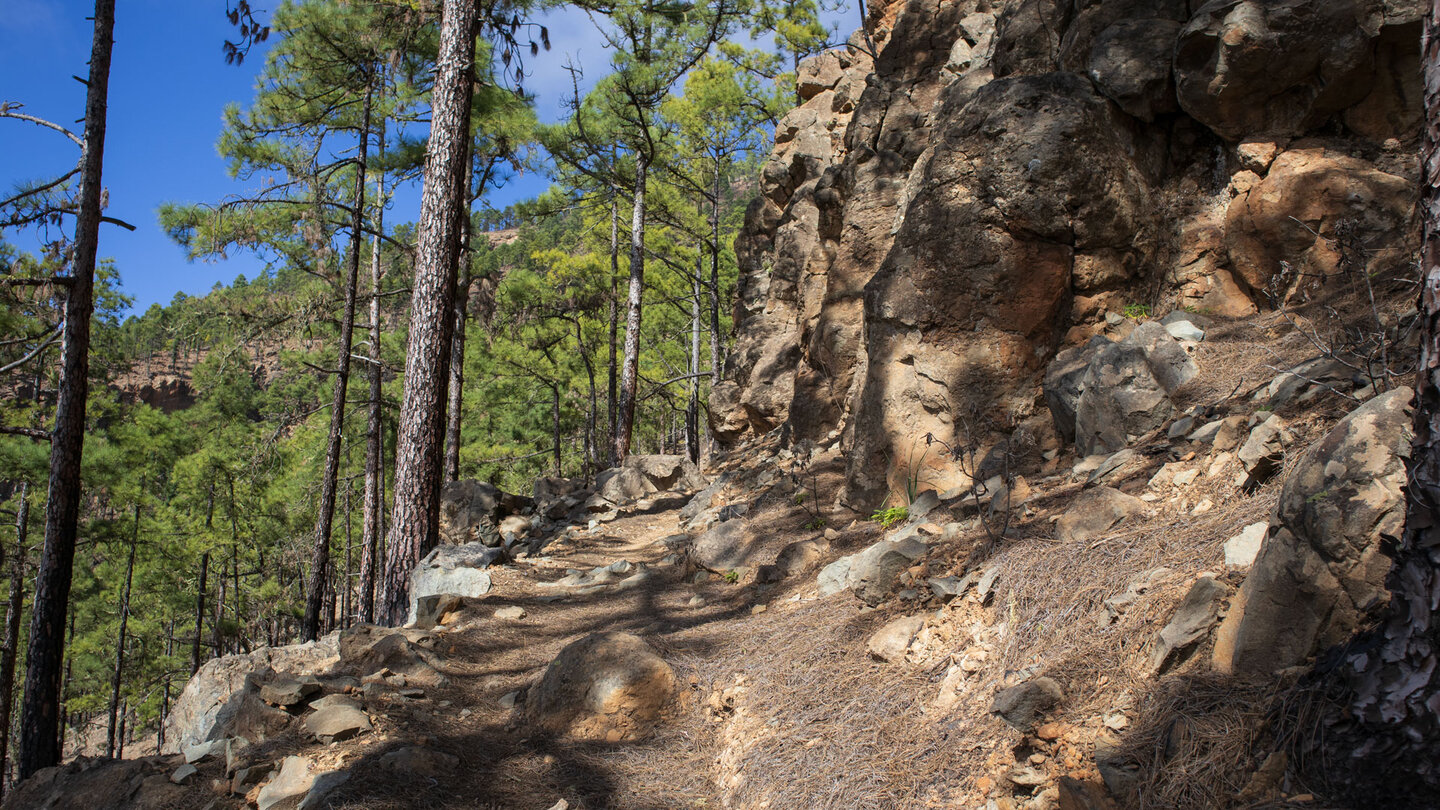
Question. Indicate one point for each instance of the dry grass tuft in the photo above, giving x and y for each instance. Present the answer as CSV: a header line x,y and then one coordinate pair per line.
x,y
1194,740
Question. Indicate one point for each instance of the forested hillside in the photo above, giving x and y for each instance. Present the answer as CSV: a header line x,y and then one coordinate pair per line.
x,y
239,442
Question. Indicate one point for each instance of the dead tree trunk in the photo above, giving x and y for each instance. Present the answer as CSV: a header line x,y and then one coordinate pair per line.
x,y
40,712
415,521
325,515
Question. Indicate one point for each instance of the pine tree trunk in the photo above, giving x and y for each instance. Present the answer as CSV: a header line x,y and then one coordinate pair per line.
x,y
12,630
65,687
40,712
419,445
592,460
630,372
555,425
199,613
217,622
613,403
325,515
692,407
110,738
374,509
344,619
164,691
717,343
457,374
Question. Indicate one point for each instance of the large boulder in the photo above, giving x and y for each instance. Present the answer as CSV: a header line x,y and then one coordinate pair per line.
x,y
667,473
452,571
605,686
223,700
1125,391
1321,571
1130,63
299,785
724,546
1275,66
1311,195
471,511
873,572
622,485
1064,382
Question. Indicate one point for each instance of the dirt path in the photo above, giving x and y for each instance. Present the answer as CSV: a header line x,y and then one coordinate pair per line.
x,y
503,762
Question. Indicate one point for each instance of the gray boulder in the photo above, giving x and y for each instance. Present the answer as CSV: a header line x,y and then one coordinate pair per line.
x,y
723,547
287,692
1263,452
1130,63
890,642
471,511
1095,512
1321,570
800,556
1124,390
621,485
299,786
1064,382
337,718
366,649
667,473
834,577
1196,615
452,571
874,571
222,699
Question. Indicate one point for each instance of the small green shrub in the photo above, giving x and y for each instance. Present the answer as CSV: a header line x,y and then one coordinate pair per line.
x,y
889,517
815,523
1136,311
732,576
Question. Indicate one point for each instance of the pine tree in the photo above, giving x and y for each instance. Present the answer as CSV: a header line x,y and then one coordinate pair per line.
x,y
40,713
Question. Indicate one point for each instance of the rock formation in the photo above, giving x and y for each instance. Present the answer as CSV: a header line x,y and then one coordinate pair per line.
x,y
1001,180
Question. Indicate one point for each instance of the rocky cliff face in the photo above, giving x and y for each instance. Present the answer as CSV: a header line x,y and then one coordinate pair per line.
x,y
994,181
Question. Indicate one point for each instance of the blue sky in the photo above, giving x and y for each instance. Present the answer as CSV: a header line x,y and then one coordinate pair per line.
x,y
168,85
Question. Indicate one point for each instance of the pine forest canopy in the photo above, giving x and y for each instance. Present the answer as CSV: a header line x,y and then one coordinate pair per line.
x,y
242,450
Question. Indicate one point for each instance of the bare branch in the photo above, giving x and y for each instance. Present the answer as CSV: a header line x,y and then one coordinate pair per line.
x,y
8,106
54,336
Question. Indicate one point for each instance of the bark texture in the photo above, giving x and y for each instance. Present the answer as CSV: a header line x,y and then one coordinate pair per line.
x,y
12,628
374,510
630,370
40,712
420,439
1383,750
